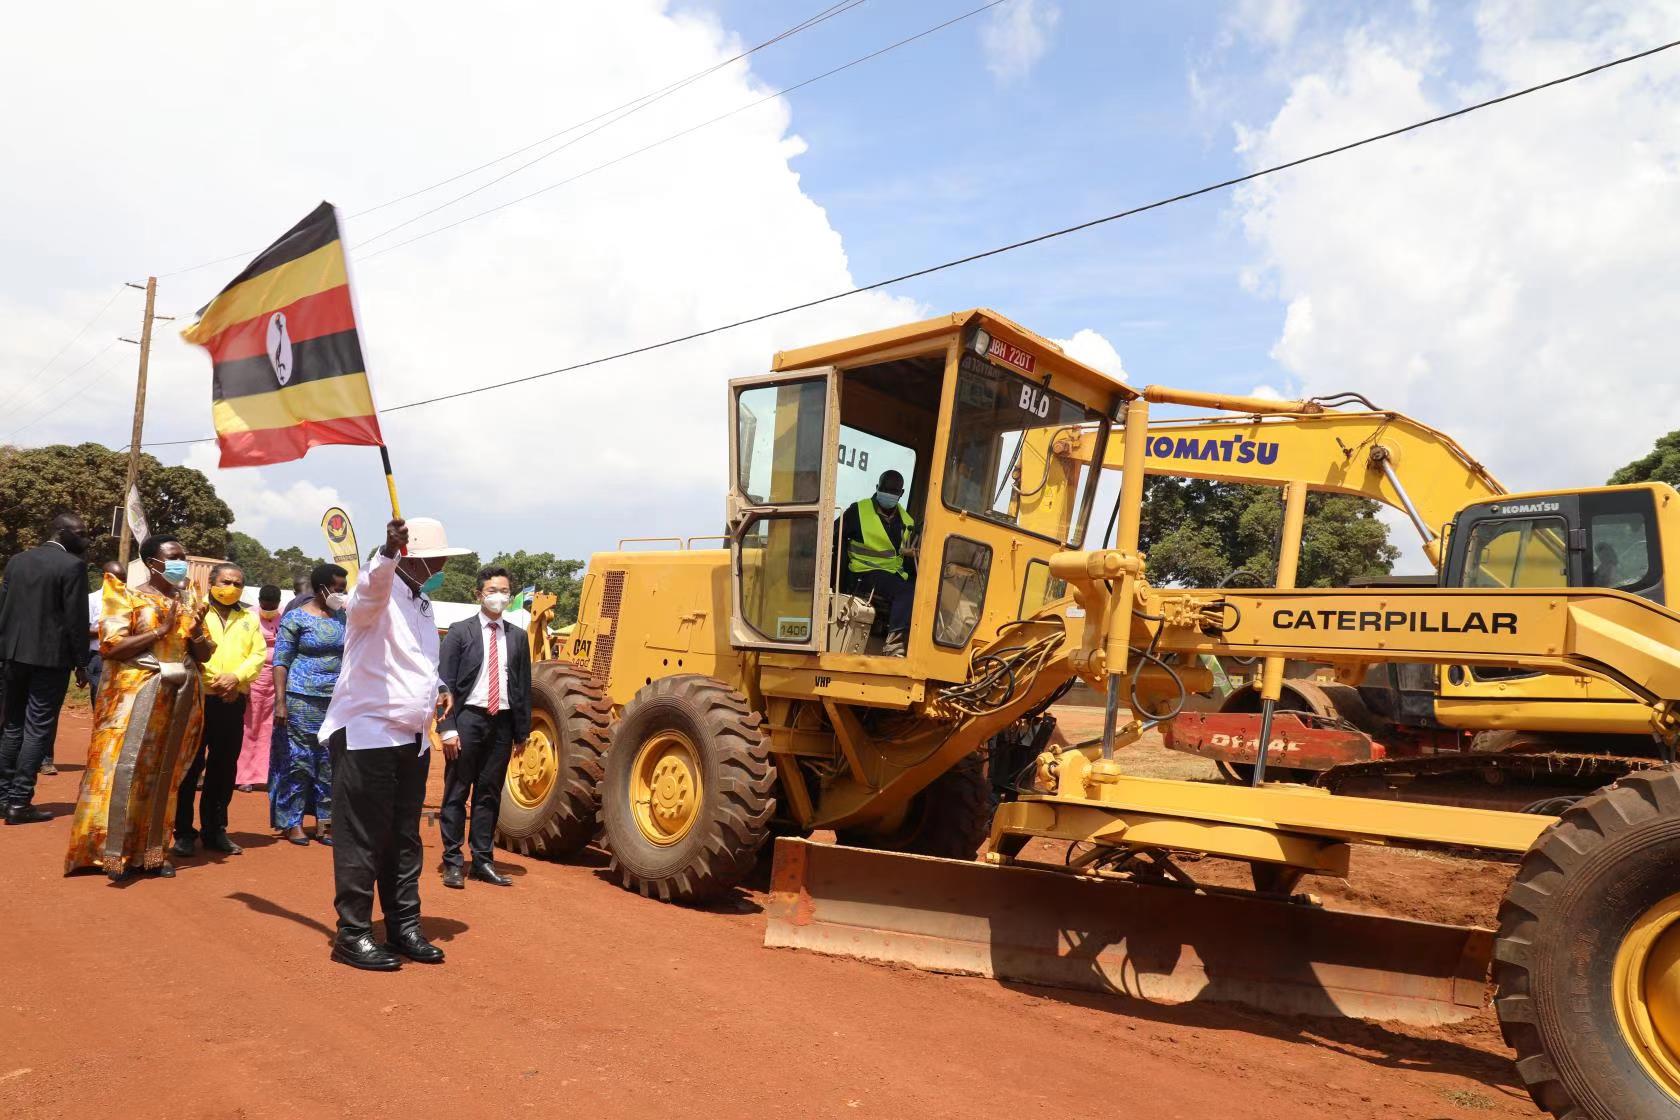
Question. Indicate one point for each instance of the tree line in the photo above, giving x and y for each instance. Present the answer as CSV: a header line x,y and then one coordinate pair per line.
x,y
1195,533
37,483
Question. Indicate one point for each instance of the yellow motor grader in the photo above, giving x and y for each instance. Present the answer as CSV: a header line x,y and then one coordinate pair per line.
x,y
708,700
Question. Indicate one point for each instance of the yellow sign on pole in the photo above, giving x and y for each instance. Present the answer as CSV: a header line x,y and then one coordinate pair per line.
x,y
341,541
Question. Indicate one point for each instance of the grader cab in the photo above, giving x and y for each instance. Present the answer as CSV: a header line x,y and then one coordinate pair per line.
x,y
707,700
756,677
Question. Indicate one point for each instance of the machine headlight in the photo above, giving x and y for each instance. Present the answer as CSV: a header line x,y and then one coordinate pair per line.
x,y
982,342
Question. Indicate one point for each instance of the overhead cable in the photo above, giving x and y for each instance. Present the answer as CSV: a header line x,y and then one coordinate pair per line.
x,y
1014,245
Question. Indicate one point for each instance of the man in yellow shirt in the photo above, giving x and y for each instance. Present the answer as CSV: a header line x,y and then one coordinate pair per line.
x,y
238,660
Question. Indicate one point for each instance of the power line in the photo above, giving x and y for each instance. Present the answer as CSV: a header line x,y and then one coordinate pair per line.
x,y
1062,232
631,108
37,397
93,379
97,315
634,105
673,136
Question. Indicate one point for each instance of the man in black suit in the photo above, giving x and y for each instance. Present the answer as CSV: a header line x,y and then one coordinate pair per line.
x,y
486,665
43,636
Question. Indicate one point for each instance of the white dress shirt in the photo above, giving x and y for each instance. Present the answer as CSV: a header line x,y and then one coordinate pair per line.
x,y
95,605
388,685
479,697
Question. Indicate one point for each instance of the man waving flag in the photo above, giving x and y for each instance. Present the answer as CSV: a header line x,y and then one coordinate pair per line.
x,y
288,369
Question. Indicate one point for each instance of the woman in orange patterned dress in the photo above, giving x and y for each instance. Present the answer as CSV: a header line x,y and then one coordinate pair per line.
x,y
148,717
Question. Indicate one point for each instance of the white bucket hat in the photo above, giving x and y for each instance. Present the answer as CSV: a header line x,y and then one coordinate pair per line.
x,y
427,540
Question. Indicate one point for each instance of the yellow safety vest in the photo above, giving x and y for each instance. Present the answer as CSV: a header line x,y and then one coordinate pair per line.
x,y
875,552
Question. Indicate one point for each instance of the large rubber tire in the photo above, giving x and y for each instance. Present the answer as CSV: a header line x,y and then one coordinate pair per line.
x,y
570,723
1611,859
737,780
951,818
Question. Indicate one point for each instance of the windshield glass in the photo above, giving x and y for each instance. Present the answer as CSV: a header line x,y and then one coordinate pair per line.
x,y
1000,466
1518,553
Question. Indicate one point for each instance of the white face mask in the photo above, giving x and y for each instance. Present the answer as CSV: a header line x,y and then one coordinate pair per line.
x,y
495,602
335,600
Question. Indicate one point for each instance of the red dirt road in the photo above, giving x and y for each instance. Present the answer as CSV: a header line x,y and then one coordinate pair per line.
x,y
211,996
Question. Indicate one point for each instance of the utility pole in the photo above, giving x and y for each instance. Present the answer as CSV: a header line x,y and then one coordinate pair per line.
x,y
139,416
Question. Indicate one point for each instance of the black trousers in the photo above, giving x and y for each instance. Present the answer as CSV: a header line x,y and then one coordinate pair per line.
x,y
377,796
34,695
892,592
218,760
475,774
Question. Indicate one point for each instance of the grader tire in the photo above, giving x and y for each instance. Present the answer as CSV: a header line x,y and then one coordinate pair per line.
x,y
1589,939
689,790
551,799
951,818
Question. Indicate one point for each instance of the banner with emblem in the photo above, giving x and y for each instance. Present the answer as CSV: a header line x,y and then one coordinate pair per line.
x,y
288,372
341,542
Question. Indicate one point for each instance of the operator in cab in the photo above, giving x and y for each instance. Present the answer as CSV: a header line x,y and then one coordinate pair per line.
x,y
877,539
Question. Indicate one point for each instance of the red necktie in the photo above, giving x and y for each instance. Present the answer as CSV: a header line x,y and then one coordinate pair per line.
x,y
495,704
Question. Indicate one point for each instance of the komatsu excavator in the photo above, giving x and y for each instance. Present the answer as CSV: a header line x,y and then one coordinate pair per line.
x,y
709,699
1403,722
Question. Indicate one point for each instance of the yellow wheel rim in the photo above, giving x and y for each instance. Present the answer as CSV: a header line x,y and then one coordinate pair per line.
x,y
1647,992
534,772
665,787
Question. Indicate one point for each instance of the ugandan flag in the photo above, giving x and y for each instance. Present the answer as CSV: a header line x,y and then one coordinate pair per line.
x,y
288,369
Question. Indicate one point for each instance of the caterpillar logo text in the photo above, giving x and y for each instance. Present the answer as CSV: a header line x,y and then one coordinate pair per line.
x,y
1233,450
1418,622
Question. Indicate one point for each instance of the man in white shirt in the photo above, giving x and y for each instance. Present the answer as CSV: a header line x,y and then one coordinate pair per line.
x,y
486,665
375,726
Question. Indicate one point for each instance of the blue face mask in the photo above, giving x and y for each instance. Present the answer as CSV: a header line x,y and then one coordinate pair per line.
x,y
433,582
175,571
886,500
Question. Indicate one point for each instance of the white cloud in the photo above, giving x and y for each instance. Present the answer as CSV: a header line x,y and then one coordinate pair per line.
x,y
1017,35
256,113
1510,277
1272,22
1093,349
288,513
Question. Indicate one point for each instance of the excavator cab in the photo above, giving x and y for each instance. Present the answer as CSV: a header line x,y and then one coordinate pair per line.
x,y
1625,538
967,410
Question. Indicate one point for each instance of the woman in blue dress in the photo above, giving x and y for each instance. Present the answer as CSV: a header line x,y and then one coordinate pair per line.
x,y
308,651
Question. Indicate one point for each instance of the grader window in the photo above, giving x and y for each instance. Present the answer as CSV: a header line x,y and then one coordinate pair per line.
x,y
778,562
962,590
1000,465
779,431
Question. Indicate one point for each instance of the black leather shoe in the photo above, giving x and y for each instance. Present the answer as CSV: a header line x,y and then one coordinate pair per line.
x,y
27,814
411,944
184,846
221,843
361,952
453,878
164,870
485,872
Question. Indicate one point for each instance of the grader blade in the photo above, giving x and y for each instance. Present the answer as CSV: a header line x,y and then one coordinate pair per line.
x,y
1157,943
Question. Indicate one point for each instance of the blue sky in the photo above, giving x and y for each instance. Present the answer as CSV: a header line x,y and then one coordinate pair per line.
x,y
1511,277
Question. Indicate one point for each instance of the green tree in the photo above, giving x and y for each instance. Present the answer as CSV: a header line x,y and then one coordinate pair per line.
x,y
1661,465
542,570
546,573
1196,533
260,566
460,579
37,483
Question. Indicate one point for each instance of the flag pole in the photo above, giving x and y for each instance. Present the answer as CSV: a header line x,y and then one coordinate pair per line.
x,y
390,483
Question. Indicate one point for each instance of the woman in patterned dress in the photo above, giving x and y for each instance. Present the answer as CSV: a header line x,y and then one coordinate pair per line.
x,y
148,718
308,652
